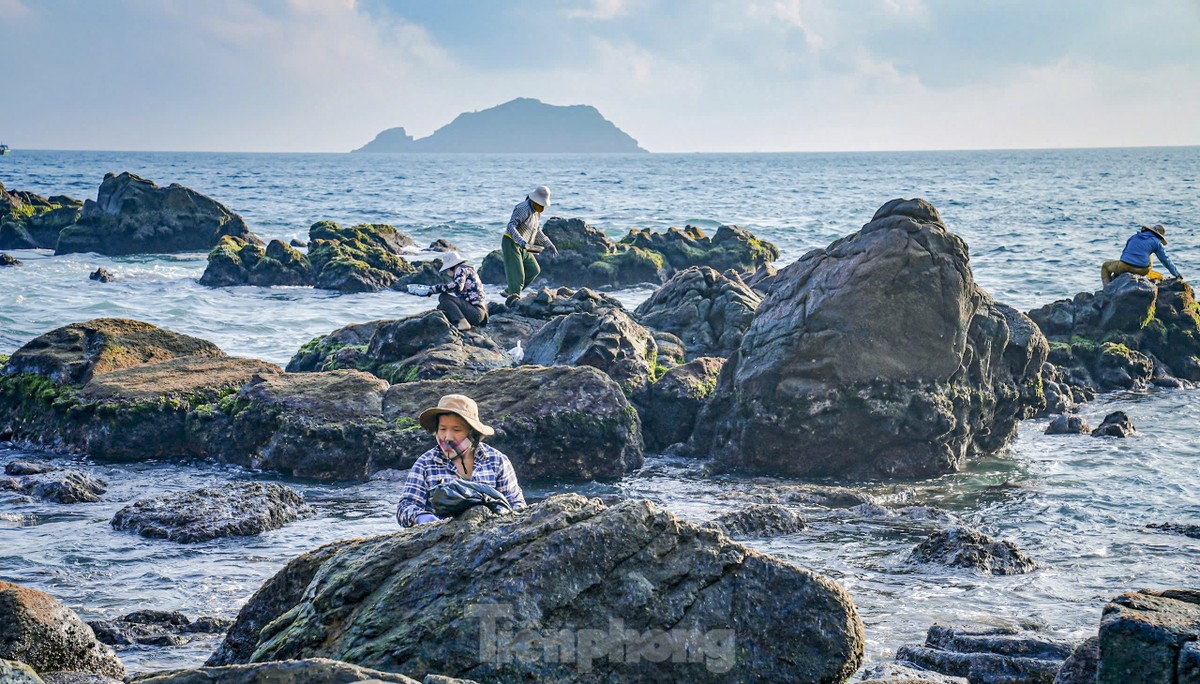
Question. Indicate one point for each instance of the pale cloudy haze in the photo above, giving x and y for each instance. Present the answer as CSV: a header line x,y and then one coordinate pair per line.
x,y
774,75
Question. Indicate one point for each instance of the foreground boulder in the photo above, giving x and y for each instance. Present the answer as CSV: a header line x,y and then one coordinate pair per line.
x,y
1150,636
988,655
707,310
132,215
552,423
300,671
30,221
577,592
38,630
963,547
876,356
234,510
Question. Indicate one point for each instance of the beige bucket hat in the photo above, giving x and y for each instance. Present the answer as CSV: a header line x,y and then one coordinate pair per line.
x,y
460,405
1158,230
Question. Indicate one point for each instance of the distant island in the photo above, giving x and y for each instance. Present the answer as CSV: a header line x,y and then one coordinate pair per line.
x,y
522,125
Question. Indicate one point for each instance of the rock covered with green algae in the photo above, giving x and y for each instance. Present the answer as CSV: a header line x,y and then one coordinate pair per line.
x,y
38,630
30,221
876,356
237,262
574,592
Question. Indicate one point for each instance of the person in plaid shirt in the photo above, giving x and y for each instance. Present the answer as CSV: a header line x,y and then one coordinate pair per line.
x,y
460,453
461,299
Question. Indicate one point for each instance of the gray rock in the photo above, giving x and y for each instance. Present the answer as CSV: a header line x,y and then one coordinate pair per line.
x,y
301,244
442,245
876,356
1115,424
1064,424
609,340
15,672
707,310
893,672
963,547
988,655
1187,530
64,486
78,678
132,215
239,509
1080,667
20,467
103,275
731,248
568,567
155,628
545,303
1150,636
762,520
671,405
38,630
443,679
238,262
300,671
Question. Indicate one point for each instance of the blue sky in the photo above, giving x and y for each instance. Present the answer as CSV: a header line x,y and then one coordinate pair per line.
x,y
679,76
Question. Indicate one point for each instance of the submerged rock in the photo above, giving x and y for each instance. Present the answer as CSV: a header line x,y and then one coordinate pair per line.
x,y
61,486
102,275
762,520
988,655
876,356
708,311
1115,424
36,629
155,628
567,567
1186,530
1063,424
299,671
963,547
28,468
1150,636
233,510
132,215
9,260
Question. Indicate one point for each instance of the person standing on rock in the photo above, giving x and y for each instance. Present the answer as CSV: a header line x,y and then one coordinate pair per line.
x,y
520,243
460,453
461,299
1149,241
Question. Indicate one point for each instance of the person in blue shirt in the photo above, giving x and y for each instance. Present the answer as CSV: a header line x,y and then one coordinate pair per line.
x,y
1147,242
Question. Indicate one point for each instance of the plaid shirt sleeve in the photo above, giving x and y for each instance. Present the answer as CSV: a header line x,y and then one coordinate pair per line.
x,y
414,499
519,216
506,481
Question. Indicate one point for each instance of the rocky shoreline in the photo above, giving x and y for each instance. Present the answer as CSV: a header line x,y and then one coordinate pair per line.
x,y
876,357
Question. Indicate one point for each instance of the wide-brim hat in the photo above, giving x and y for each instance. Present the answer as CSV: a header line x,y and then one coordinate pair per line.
x,y
541,195
1158,230
462,406
451,260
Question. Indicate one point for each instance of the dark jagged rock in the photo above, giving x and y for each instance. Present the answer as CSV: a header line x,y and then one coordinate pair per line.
x,y
733,247
1064,424
761,280
813,495
1150,636
762,520
708,311
28,468
442,245
9,260
1131,333
155,628
1080,667
237,262
298,243
545,304
397,602
990,655
423,346
610,341
299,671
61,486
1115,424
103,275
963,547
1187,530
30,221
1064,388
892,672
233,510
553,423
876,356
132,215
36,629
670,406
361,258
73,354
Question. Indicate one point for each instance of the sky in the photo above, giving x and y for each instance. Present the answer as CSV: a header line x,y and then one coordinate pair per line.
x,y
677,75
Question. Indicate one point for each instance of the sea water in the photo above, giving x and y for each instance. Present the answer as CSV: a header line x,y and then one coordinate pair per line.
x,y
1038,223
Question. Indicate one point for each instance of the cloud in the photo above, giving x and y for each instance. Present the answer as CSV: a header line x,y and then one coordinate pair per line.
x,y
600,10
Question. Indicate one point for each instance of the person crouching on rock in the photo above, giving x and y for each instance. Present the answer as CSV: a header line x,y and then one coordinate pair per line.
x,y
1150,240
460,453
519,244
461,299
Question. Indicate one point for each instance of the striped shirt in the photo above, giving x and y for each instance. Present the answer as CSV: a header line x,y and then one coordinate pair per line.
x,y
464,283
432,468
525,226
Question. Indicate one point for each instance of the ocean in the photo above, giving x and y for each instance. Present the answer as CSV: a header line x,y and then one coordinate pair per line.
x,y
1038,223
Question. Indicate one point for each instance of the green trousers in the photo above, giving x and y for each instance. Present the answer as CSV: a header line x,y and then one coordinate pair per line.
x,y
519,266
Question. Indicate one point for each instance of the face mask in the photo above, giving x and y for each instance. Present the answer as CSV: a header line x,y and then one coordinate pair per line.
x,y
455,449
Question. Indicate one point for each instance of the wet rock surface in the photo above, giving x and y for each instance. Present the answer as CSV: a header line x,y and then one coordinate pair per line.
x,y
877,356
30,221
1080,667
9,260
239,509
546,303
893,672
671,405
1150,636
1115,424
1187,530
988,655
301,671
155,628
762,520
632,562
731,248
361,258
963,547
132,215
102,275
38,630
237,262
1063,424
709,311
63,486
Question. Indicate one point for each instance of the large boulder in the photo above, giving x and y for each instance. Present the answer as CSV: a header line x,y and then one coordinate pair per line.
x,y
132,215
557,423
30,221
671,405
361,258
1150,636
237,262
609,340
876,356
239,509
38,630
733,247
708,310
576,592
423,346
